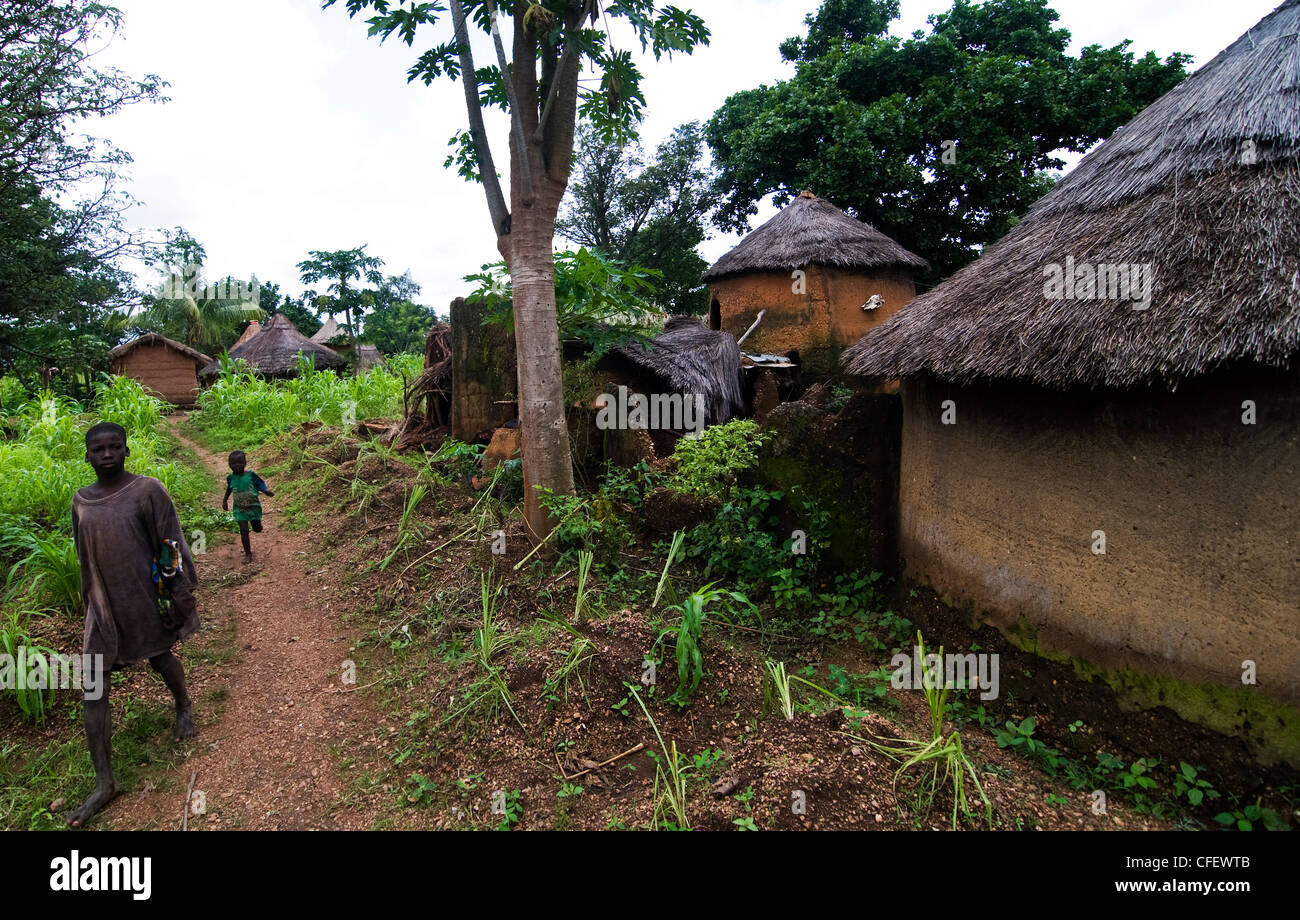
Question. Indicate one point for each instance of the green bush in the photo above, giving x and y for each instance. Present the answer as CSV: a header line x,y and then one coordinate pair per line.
x,y
715,463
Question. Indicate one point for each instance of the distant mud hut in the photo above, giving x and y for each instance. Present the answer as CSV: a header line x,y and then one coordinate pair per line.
x,y
824,279
254,327
331,334
1100,445
274,351
166,368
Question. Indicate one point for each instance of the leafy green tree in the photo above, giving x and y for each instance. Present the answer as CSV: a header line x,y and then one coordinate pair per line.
x,y
396,323
593,294
399,327
942,140
63,294
649,214
539,90
342,268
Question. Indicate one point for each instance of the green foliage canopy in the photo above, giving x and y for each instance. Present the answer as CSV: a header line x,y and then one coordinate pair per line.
x,y
941,140
652,213
60,283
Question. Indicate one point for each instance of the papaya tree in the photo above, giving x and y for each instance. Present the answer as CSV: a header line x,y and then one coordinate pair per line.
x,y
537,85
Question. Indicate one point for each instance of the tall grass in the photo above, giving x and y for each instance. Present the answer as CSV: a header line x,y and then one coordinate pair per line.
x,y
939,761
42,464
241,410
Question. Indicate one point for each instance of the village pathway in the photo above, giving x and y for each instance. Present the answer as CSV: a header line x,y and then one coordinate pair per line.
x,y
270,760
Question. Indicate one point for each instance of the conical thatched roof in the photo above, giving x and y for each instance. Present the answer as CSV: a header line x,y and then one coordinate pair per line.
x,y
329,330
273,352
254,327
812,231
1202,188
153,338
691,358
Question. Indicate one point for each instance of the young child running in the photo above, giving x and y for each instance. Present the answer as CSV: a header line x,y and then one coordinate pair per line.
x,y
137,581
244,485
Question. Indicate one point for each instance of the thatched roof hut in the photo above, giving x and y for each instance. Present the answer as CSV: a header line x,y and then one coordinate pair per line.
x,y
329,331
812,231
274,351
1110,472
163,366
688,358
822,277
253,328
1201,186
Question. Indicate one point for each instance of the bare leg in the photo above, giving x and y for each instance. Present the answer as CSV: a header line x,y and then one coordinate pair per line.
x,y
99,736
243,538
173,674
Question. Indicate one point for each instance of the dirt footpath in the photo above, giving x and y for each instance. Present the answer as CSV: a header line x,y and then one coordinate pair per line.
x,y
267,762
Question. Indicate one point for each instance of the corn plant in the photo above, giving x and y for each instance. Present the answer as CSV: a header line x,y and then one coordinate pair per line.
x,y
582,601
936,762
52,567
690,661
490,690
14,635
409,530
777,688
671,774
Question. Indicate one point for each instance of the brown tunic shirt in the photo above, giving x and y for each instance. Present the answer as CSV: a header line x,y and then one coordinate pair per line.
x,y
117,537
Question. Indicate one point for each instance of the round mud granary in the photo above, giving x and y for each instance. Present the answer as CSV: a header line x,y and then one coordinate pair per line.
x,y
824,279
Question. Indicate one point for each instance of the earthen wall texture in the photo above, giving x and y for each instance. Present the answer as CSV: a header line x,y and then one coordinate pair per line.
x,y
165,372
1201,516
821,321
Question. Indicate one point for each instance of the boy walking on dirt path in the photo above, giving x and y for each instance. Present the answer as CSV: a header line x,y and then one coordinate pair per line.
x,y
244,485
137,580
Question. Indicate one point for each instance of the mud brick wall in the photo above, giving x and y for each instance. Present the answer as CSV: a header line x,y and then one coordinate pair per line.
x,y
482,373
1201,515
164,371
821,322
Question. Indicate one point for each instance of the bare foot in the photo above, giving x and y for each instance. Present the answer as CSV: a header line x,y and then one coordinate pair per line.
x,y
248,557
102,795
185,727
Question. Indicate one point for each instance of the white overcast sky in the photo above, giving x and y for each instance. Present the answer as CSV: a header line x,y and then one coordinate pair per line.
x,y
289,130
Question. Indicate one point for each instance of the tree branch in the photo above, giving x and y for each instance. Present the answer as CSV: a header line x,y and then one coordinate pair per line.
x,y
516,117
497,208
561,69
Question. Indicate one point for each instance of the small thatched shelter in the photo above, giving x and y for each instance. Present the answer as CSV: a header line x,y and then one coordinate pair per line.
x,y
1100,445
687,358
167,368
274,351
362,356
824,279
329,331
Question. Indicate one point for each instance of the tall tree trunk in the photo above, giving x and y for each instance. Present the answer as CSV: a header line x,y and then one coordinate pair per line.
x,y
534,205
543,429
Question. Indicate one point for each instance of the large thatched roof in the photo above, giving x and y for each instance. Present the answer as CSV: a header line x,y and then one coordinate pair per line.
x,y
1202,187
812,231
688,358
153,338
273,352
